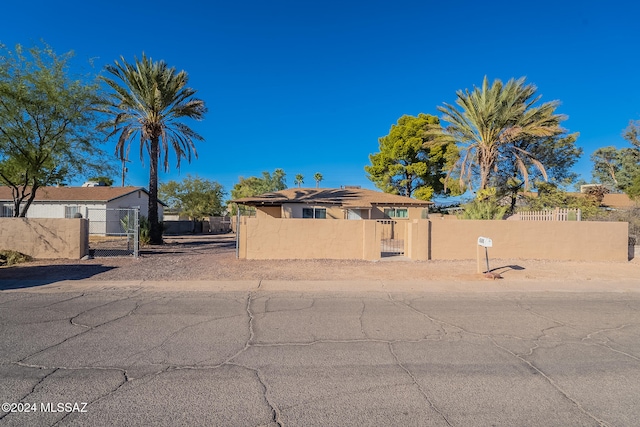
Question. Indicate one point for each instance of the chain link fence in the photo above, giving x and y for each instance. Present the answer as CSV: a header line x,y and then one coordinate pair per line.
x,y
114,232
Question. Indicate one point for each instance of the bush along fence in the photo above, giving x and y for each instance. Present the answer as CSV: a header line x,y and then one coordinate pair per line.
x,y
557,214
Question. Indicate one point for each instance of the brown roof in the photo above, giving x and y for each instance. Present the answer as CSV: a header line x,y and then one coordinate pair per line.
x,y
75,194
618,201
346,197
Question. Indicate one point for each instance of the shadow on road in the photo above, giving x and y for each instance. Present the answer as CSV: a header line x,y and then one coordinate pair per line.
x,y
33,276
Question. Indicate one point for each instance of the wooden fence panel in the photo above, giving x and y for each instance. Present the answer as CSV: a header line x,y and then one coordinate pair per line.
x,y
557,214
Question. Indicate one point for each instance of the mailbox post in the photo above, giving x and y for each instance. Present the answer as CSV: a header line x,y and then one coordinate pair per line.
x,y
486,243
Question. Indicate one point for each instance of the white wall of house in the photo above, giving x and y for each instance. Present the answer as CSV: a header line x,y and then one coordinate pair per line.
x,y
100,222
137,198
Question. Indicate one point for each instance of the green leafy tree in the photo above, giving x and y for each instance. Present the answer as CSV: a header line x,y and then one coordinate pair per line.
x,y
409,163
490,124
634,189
558,154
194,196
299,180
618,168
148,102
104,180
318,177
254,186
607,165
47,123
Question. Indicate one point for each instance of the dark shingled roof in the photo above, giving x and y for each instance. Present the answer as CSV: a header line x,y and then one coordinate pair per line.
x,y
346,197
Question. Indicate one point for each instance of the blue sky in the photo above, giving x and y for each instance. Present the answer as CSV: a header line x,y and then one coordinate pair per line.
x,y
310,86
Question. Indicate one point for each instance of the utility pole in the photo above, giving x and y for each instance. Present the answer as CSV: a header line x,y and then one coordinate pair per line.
x,y
125,160
124,168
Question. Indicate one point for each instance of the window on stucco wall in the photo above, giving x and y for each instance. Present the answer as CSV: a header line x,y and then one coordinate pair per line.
x,y
318,213
396,213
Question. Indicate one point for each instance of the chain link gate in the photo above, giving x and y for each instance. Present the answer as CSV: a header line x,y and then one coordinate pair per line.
x,y
114,231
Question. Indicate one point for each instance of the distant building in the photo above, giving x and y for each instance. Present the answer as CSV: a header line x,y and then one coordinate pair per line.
x,y
336,203
69,202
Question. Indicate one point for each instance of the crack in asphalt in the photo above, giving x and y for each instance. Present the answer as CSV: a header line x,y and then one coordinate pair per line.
x,y
33,389
605,342
528,363
73,322
419,387
176,332
447,328
362,331
64,300
552,382
275,412
138,305
251,336
125,380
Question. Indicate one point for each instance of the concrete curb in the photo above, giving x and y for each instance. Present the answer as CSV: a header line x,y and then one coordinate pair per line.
x,y
386,286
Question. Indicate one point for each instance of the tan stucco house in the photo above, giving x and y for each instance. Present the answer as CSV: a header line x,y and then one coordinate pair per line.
x,y
336,203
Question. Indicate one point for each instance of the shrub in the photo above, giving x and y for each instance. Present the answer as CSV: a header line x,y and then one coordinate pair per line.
x,y
145,231
8,257
485,206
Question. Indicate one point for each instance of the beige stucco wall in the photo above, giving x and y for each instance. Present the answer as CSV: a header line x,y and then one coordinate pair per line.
x,y
291,238
553,240
268,211
46,237
269,238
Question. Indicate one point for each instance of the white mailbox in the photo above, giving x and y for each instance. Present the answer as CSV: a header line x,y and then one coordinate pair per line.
x,y
485,241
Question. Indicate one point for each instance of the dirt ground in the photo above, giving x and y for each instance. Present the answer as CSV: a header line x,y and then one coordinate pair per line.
x,y
212,257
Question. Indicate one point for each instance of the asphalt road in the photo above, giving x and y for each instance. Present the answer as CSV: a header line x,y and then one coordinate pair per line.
x,y
245,354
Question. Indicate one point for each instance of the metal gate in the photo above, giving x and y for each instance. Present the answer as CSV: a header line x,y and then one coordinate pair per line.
x,y
390,245
114,232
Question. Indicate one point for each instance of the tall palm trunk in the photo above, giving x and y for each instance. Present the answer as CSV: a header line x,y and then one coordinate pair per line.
x,y
155,232
486,164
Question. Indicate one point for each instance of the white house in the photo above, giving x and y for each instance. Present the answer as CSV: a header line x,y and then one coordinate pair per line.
x,y
99,204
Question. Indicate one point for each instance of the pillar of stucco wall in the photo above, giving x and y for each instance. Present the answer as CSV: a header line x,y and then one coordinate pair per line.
x,y
242,238
84,237
371,240
46,238
417,240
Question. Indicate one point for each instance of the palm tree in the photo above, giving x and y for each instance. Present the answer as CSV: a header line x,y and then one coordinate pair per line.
x,y
490,123
149,100
318,177
299,180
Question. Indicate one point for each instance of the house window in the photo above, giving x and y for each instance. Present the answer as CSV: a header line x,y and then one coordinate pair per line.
x,y
320,213
7,211
70,211
396,213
